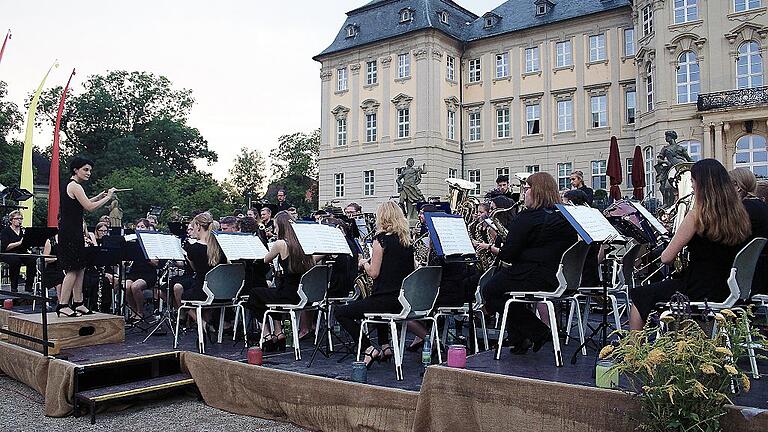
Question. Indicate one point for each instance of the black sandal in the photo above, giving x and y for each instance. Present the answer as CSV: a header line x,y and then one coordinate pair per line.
x,y
76,305
371,355
386,354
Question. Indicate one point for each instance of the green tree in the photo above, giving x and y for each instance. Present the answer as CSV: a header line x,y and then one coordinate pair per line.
x,y
10,150
296,153
247,174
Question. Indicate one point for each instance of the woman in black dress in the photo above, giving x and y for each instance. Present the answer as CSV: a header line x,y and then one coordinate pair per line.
x,y
391,261
294,263
714,231
10,242
746,185
141,277
71,244
202,255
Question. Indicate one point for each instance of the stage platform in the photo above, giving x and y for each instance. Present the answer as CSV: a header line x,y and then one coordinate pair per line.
x,y
514,393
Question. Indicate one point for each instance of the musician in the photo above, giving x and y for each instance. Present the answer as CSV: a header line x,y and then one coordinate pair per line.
x,y
353,209
761,192
502,188
10,242
391,261
230,224
746,185
99,278
529,258
266,220
252,213
714,231
255,271
52,275
577,182
105,219
71,255
282,204
294,263
185,281
142,276
344,269
575,197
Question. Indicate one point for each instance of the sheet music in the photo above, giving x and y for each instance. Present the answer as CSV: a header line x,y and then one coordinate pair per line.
x,y
161,246
591,221
238,246
651,218
453,236
362,227
321,239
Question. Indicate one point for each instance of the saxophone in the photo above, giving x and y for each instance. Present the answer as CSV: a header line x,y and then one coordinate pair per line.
x,y
363,282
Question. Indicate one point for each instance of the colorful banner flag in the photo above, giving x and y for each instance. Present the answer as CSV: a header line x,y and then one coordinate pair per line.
x,y
53,179
26,159
5,41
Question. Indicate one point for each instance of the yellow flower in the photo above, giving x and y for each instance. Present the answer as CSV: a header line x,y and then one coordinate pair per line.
x,y
708,369
671,394
745,384
731,370
681,345
655,357
699,387
729,313
606,351
719,317
724,350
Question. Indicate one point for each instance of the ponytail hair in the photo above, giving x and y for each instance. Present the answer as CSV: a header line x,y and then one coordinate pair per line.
x,y
205,222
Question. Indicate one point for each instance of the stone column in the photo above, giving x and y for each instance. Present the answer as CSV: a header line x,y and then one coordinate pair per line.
x,y
707,150
719,144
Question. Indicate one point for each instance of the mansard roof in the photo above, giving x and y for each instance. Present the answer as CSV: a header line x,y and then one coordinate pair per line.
x,y
380,19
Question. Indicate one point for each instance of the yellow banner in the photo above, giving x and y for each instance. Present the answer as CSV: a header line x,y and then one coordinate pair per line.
x,y
26,159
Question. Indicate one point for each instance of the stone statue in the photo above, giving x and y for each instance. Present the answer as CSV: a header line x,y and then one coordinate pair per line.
x,y
407,183
115,213
669,156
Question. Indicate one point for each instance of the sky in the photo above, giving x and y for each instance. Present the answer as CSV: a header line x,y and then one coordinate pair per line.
x,y
248,62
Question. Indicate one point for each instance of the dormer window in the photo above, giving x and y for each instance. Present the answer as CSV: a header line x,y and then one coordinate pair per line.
x,y
406,15
444,17
489,22
543,7
352,30
490,19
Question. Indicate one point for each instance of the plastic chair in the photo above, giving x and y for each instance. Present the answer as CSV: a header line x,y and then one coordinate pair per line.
x,y
463,311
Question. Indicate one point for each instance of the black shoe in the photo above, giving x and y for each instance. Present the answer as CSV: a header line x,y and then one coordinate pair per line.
x,y
59,312
371,355
280,343
386,355
540,342
521,347
84,311
269,344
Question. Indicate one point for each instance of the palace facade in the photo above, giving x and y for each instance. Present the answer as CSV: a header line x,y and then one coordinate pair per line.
x,y
537,85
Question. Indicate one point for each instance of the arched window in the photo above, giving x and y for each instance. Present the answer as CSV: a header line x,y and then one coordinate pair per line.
x,y
688,81
649,85
749,67
694,149
752,153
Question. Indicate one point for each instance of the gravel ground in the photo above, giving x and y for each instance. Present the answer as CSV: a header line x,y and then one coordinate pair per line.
x,y
22,410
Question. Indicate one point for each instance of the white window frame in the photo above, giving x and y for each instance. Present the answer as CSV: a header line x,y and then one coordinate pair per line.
x,y
475,131
599,174
749,59
630,113
533,119
753,145
502,123
565,115
647,19
405,15
629,42
338,182
502,65
500,171
371,72
444,17
404,65
599,110
745,5
369,179
532,63
597,50
474,177
628,164
342,83
685,11
532,169
694,149
351,31
450,68
371,128
563,54
650,173
474,70
341,132
688,78
564,170
649,86
453,172
404,123
451,125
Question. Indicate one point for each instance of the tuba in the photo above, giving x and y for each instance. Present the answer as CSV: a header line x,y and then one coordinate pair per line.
x,y
458,196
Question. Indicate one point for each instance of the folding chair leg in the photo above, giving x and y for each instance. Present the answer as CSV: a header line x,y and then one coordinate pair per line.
x,y
503,327
221,324
176,335
555,336
574,304
585,314
363,328
317,324
403,333
200,336
474,336
245,327
263,327
329,326
437,339
485,330
615,305
396,347
581,330
295,334
236,322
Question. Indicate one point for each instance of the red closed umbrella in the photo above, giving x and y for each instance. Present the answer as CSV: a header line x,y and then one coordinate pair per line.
x,y
614,169
638,175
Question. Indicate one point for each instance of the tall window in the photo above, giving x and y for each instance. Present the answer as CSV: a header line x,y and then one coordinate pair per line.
x,y
631,104
371,74
370,127
649,86
502,123
565,115
597,48
502,65
752,153
368,183
693,147
744,5
474,177
532,59
338,181
687,78
474,70
341,132
629,162
403,65
450,68
686,10
749,66
564,175
599,180
650,173
453,172
629,42
474,126
451,124
647,19
599,111
341,83
403,123
503,171
532,169
564,54
533,119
